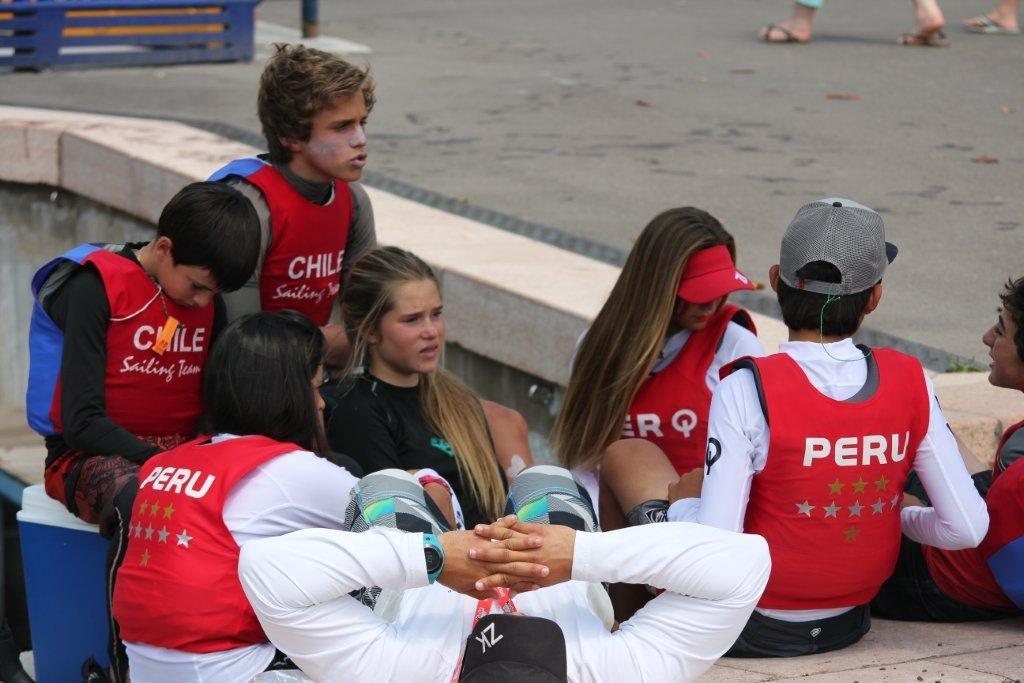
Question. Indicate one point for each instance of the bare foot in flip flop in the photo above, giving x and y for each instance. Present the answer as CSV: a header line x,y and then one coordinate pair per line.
x,y
989,26
788,31
921,40
928,31
1002,20
796,29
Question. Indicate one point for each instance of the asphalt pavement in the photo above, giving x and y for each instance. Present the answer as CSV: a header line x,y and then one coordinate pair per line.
x,y
591,116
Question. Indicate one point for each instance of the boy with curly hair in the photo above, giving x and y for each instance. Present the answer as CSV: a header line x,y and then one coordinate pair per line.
x,y
315,219
934,584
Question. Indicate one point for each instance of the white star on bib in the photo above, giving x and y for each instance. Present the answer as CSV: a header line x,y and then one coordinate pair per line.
x,y
184,538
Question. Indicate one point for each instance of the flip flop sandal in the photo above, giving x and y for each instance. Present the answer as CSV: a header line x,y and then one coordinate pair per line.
x,y
937,39
983,24
788,36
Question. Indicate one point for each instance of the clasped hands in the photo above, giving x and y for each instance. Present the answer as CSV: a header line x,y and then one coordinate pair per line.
x,y
509,553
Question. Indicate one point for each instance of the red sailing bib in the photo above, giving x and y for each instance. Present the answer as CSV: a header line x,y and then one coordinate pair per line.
x,y
1000,465
671,407
966,574
150,395
178,587
828,499
302,267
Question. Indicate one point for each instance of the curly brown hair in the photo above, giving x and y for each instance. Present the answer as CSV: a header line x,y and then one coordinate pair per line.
x,y
297,84
1013,301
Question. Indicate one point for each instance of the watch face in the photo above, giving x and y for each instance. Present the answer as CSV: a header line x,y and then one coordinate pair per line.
x,y
433,559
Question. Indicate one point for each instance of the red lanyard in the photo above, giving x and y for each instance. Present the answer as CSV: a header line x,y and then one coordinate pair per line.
x,y
483,607
504,602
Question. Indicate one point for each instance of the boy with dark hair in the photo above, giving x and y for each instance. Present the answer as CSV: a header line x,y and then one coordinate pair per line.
x,y
987,582
810,447
315,220
119,337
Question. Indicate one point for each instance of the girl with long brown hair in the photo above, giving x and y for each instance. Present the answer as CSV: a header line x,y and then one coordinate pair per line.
x,y
648,364
399,408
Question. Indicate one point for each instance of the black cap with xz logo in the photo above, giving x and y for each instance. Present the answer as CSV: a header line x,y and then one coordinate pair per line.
x,y
507,648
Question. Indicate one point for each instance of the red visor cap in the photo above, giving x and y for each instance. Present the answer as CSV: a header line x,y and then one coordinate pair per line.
x,y
710,274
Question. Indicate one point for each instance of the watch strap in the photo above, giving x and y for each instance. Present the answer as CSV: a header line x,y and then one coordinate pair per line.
x,y
431,545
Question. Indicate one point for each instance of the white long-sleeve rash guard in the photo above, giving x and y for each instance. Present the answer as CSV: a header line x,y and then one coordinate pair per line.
x,y
299,584
957,519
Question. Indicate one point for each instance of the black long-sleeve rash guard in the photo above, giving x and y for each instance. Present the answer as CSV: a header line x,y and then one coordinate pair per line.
x,y
80,309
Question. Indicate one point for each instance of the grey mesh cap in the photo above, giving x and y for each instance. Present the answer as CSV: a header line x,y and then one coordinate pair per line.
x,y
839,231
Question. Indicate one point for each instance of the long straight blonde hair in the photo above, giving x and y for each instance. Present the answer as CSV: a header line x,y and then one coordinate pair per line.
x,y
449,407
622,345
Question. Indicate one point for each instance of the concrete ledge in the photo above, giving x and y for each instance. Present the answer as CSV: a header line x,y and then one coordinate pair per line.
x,y
134,165
514,300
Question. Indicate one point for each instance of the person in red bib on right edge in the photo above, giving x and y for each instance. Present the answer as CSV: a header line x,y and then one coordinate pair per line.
x,y
987,582
810,447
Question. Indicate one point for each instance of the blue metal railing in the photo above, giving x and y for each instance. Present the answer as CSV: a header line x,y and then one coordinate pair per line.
x,y
58,33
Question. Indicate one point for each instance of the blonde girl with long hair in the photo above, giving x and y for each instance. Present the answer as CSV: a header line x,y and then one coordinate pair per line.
x,y
646,368
399,408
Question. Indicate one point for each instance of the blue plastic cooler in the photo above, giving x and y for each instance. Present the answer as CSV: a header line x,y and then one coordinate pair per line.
x,y
64,578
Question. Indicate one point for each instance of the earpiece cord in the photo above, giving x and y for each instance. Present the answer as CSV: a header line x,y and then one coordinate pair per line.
x,y
829,300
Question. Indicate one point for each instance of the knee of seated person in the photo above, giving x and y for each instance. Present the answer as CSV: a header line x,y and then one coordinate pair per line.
x,y
384,483
390,473
395,498
548,469
535,479
515,422
125,498
757,561
508,421
117,522
549,494
625,455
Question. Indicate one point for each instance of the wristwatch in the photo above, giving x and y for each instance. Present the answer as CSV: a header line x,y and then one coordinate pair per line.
x,y
434,554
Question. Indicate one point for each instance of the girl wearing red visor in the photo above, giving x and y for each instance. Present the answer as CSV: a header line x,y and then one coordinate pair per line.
x,y
644,372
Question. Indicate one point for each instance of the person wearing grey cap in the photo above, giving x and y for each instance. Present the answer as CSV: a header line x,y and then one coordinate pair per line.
x,y
811,447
